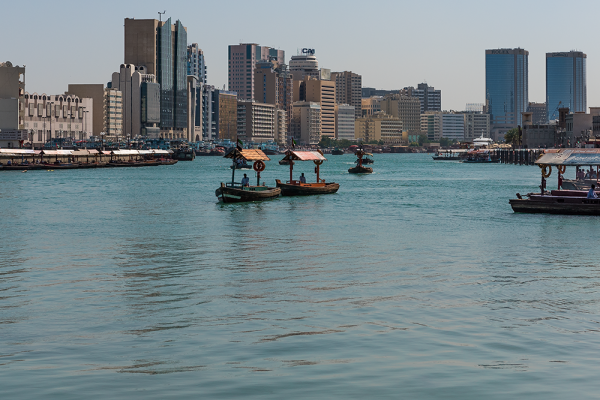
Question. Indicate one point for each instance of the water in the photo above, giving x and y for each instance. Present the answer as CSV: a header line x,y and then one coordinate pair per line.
x,y
417,281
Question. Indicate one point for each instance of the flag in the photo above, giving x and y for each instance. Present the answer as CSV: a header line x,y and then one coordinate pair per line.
x,y
293,142
240,144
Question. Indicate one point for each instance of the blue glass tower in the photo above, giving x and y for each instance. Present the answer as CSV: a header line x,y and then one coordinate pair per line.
x,y
565,82
506,87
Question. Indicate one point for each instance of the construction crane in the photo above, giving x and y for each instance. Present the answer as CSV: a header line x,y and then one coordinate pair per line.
x,y
555,111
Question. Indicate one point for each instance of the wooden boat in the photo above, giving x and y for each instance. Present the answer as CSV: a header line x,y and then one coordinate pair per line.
x,y
337,152
561,201
449,154
480,156
235,192
359,168
297,188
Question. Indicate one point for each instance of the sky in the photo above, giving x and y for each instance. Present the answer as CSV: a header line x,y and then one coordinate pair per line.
x,y
392,44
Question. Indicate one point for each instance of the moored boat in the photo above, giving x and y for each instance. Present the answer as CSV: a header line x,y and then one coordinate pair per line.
x,y
561,201
298,188
235,192
449,154
337,152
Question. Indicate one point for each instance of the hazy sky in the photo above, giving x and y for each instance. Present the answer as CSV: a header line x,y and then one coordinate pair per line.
x,y
392,44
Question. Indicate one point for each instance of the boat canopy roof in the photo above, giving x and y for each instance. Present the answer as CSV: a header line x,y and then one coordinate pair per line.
x,y
304,155
361,152
246,154
574,157
16,151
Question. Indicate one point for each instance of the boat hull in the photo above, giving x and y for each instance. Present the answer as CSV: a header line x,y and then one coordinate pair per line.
x,y
568,205
252,193
360,170
307,189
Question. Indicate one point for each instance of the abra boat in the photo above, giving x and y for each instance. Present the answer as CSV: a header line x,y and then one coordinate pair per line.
x,y
359,169
480,156
560,201
236,192
449,154
297,188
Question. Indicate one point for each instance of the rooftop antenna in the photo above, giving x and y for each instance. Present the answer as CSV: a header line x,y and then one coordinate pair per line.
x,y
160,14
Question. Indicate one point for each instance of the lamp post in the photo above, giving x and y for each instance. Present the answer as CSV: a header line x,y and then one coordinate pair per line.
x,y
85,126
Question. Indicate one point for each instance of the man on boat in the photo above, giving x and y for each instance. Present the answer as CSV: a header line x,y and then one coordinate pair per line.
x,y
592,194
245,180
302,178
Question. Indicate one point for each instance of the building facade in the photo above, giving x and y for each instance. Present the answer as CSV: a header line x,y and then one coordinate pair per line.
x,y
348,90
242,63
313,90
228,118
306,122
273,84
565,82
506,88
370,106
407,108
161,47
379,127
344,122
256,122
113,114
538,112
453,126
12,110
432,125
305,64
477,124
429,97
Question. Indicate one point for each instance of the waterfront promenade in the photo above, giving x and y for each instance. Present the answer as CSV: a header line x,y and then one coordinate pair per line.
x,y
417,281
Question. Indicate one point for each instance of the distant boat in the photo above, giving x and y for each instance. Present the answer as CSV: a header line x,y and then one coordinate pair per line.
x,y
359,169
337,152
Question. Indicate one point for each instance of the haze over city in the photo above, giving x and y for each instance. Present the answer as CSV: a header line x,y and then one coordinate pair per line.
x,y
391,44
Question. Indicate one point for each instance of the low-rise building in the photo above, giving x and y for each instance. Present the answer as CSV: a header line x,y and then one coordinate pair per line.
x,y
379,127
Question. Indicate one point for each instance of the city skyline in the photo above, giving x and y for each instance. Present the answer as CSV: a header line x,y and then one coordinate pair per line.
x,y
450,57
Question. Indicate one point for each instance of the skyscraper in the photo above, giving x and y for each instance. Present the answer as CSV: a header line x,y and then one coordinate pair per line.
x,y
348,90
506,88
242,63
565,82
162,49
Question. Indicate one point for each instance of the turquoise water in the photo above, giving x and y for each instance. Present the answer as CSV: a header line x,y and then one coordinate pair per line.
x,y
417,281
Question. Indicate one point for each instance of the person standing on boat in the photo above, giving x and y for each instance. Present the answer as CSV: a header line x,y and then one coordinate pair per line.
x,y
592,194
245,180
302,178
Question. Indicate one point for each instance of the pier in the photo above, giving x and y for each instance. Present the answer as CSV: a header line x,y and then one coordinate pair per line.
x,y
518,156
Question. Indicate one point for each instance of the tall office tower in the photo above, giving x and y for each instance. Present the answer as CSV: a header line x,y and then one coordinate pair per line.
x,y
431,99
273,84
162,48
539,113
506,88
304,64
565,82
348,90
196,65
322,92
129,81
242,63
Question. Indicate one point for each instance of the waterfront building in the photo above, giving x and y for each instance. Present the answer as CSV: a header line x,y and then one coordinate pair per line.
x,y
506,88
370,92
344,122
210,113
228,118
431,125
305,64
322,92
113,114
161,47
370,106
306,122
242,63
476,124
56,116
430,98
129,81
565,82
196,71
12,111
281,127
537,135
379,127
196,65
453,126
256,122
578,129
273,84
539,115
407,108
94,91
348,90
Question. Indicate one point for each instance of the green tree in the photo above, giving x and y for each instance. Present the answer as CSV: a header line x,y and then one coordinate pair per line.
x,y
423,140
512,136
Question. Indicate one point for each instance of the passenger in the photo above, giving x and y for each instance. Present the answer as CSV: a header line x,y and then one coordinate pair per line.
x,y
245,180
302,178
587,175
592,174
592,194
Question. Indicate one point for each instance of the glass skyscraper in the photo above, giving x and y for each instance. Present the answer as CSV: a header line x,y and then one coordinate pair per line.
x,y
565,82
506,87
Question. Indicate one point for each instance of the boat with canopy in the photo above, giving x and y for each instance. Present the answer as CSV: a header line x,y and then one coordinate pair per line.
x,y
235,192
359,168
297,188
561,200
